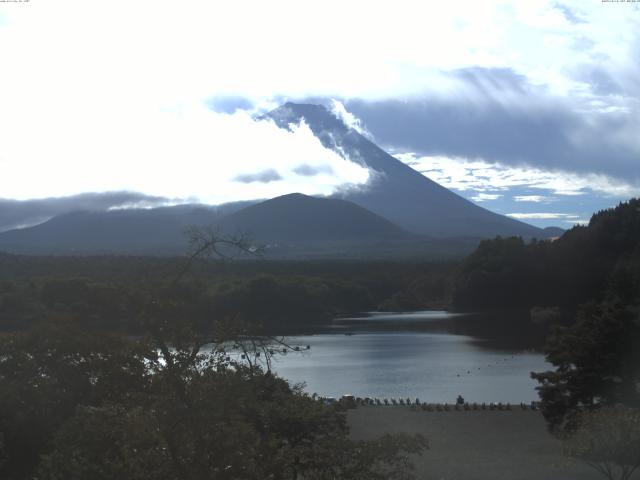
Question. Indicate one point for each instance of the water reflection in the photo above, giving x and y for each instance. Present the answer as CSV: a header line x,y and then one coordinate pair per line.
x,y
410,355
421,316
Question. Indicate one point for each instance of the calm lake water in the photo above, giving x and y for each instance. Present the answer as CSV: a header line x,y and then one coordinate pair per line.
x,y
409,355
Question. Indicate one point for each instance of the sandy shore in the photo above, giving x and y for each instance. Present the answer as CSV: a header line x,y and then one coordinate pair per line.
x,y
476,445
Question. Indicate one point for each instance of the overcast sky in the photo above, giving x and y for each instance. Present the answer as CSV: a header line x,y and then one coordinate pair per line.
x,y
530,108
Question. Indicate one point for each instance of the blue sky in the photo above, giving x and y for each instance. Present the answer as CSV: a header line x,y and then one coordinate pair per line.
x,y
531,109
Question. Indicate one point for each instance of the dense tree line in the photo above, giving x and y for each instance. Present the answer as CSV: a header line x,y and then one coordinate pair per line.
x,y
107,291
574,269
273,301
586,287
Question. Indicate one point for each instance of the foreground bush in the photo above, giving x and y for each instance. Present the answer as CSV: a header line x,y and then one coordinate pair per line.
x,y
79,405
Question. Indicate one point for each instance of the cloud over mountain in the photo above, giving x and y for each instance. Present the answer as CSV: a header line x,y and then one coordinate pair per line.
x,y
499,116
164,107
190,152
18,214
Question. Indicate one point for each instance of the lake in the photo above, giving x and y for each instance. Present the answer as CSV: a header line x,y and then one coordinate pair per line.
x,y
386,355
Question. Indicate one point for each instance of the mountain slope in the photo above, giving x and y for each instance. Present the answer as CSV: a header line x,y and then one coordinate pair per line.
x,y
140,231
397,192
297,218
291,226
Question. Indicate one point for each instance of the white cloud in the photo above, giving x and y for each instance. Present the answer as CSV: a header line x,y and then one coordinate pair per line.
x,y
189,153
530,198
103,95
348,118
542,215
260,49
481,197
462,175
568,218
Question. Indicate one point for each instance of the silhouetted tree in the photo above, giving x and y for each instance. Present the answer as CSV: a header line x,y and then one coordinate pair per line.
x,y
597,363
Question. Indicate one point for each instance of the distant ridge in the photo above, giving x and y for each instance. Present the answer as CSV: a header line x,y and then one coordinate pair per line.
x,y
291,225
553,232
399,193
139,231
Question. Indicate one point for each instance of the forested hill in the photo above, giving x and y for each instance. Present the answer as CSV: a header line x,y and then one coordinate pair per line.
x,y
585,264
